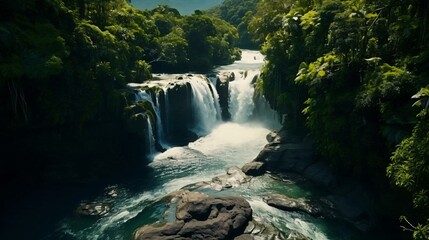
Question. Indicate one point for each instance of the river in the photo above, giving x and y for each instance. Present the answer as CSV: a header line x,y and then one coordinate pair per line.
x,y
225,144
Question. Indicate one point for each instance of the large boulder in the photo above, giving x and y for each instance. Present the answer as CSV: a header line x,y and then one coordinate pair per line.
x,y
286,153
254,168
202,217
291,204
286,157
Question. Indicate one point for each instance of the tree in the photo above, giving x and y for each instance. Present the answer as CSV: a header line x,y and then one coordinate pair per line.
x,y
409,168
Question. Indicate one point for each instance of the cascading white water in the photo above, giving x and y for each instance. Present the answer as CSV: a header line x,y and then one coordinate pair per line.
x,y
265,114
228,144
143,95
206,105
150,138
203,115
241,95
160,128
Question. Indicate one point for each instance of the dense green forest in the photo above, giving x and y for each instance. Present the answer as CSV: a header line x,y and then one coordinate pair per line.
x,y
354,75
185,7
238,13
64,69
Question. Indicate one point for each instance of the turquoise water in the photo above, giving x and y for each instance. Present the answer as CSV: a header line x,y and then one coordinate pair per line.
x,y
230,144
138,196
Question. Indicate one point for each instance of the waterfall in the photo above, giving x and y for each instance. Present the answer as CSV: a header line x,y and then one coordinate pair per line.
x,y
205,101
150,138
145,96
165,119
186,106
265,114
241,95
160,129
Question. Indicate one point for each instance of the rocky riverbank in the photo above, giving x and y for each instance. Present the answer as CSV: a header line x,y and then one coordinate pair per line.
x,y
290,158
196,215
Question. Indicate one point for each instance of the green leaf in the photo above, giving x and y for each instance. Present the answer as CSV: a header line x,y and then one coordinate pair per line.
x,y
321,73
424,92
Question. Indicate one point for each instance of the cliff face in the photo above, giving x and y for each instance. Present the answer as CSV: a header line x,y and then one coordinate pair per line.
x,y
186,106
287,155
177,113
222,87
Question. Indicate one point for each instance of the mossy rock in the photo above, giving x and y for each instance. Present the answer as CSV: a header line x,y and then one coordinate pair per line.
x,y
144,107
137,124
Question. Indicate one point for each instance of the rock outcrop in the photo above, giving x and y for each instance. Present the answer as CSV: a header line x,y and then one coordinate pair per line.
x,y
222,88
254,168
177,113
346,200
234,177
202,217
93,209
313,208
288,153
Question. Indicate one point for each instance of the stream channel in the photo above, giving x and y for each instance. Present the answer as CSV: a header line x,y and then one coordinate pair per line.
x,y
221,145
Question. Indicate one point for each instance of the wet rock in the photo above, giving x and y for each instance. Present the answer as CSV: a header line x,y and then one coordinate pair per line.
x,y
176,113
202,217
183,199
271,136
222,87
254,79
93,209
282,137
290,204
233,178
288,178
112,191
286,157
249,227
285,153
262,229
294,235
166,232
253,168
244,237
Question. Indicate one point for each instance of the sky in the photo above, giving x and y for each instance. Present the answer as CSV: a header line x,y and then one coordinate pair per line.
x,y
185,7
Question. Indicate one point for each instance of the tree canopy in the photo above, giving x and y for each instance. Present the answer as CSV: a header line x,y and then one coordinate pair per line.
x,y
238,13
345,73
64,64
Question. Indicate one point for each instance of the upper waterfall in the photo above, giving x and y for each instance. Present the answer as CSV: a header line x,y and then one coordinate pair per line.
x,y
241,95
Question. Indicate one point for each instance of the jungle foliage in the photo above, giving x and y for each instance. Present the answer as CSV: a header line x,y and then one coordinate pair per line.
x,y
345,72
64,64
238,13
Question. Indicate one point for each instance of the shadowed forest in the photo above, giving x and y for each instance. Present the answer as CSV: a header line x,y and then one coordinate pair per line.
x,y
352,76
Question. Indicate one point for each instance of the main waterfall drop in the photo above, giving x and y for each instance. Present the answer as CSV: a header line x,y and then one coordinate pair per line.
x,y
189,106
186,106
